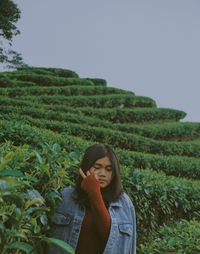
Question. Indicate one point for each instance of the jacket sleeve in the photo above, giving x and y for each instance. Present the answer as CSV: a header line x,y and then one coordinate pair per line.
x,y
133,215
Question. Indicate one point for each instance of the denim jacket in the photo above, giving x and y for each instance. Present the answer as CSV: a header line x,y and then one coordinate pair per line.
x,y
68,219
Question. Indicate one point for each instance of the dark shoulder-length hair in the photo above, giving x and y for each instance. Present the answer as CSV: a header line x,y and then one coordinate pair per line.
x,y
91,155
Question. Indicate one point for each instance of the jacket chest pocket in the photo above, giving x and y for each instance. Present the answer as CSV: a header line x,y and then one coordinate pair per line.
x,y
124,240
62,225
125,228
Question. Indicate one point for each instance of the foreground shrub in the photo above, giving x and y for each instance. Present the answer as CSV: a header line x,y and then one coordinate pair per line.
x,y
29,188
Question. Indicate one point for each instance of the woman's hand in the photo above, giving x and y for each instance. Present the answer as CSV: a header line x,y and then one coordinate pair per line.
x,y
83,174
89,182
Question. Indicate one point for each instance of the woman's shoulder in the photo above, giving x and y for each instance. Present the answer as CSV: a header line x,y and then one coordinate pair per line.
x,y
125,200
67,200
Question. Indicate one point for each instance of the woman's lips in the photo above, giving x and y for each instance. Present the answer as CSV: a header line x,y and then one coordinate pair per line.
x,y
101,181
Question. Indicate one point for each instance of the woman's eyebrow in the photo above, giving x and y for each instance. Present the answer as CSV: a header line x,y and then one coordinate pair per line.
x,y
99,164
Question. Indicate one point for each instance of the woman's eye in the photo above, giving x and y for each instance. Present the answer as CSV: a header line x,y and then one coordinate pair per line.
x,y
96,167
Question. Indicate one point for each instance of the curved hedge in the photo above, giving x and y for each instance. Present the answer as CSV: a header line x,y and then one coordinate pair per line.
x,y
178,131
53,71
47,80
62,90
126,115
171,165
119,139
101,101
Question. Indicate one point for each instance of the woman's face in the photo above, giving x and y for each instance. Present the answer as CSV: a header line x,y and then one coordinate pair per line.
x,y
102,170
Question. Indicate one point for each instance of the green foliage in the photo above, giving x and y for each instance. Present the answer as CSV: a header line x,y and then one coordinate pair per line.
x,y
181,238
100,101
126,115
160,199
9,15
50,71
178,131
53,90
118,139
98,81
47,80
30,181
59,115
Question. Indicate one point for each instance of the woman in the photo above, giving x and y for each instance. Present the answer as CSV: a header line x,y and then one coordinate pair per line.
x,y
97,216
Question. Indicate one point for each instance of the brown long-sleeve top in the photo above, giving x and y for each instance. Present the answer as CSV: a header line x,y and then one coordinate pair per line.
x,y
96,223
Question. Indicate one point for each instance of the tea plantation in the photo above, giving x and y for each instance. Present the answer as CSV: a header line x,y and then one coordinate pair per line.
x,y
49,116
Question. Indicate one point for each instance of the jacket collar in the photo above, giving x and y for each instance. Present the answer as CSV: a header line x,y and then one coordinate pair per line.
x,y
117,203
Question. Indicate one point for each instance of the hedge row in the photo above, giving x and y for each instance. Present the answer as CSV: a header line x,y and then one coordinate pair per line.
x,y
168,131
126,115
181,238
44,80
120,139
98,81
64,90
99,101
35,112
178,166
158,198
171,165
7,82
53,71
119,115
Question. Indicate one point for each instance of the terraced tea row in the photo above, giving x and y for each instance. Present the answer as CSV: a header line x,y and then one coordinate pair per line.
x,y
174,130
171,165
61,90
115,115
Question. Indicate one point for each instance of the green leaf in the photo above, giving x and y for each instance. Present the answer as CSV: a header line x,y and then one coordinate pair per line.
x,y
21,246
59,243
11,172
39,157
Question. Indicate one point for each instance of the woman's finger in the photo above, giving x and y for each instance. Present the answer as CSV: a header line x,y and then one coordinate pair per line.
x,y
88,173
82,173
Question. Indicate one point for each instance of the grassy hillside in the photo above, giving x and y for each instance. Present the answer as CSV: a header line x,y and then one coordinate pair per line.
x,y
48,116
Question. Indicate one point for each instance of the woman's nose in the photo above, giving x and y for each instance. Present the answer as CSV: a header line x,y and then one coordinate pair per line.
x,y
102,172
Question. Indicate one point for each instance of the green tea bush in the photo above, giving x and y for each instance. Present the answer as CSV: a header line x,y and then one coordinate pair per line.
x,y
53,71
98,81
48,80
101,101
30,182
181,238
171,165
7,82
168,131
178,131
160,199
60,90
119,139
126,115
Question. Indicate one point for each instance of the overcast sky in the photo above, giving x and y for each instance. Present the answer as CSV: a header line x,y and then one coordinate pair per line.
x,y
151,47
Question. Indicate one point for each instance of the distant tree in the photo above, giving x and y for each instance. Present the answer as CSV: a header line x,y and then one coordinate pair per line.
x,y
9,15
